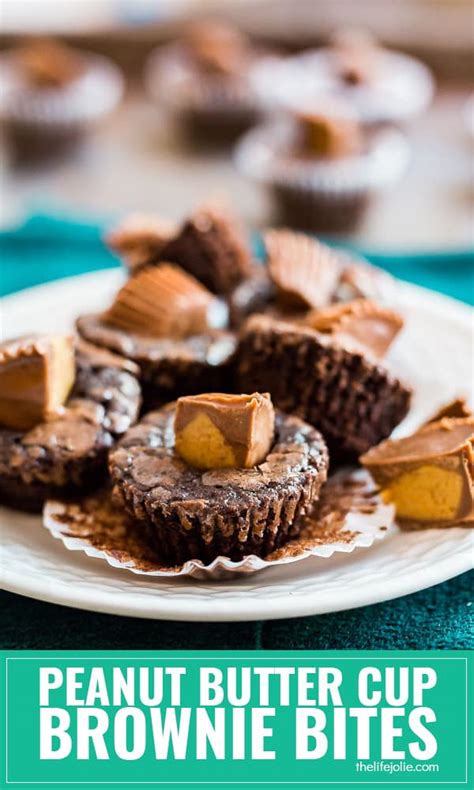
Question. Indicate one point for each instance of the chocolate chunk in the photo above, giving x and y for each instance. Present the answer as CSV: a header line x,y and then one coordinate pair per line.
x,y
429,476
328,134
210,247
216,430
140,238
353,400
359,324
304,271
36,375
164,301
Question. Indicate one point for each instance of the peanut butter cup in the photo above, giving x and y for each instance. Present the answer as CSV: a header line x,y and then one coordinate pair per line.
x,y
428,476
360,324
227,510
353,400
60,451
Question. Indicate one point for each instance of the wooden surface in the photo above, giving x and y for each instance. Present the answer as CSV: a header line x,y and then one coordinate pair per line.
x,y
136,161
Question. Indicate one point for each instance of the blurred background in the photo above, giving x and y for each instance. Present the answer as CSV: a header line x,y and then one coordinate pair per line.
x,y
136,157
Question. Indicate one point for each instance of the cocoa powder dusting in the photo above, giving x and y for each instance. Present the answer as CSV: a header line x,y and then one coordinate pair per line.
x,y
100,521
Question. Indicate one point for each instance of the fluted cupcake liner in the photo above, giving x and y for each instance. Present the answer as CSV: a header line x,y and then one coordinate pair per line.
x,y
349,515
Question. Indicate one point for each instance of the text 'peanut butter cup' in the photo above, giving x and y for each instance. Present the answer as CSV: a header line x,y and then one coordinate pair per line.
x,y
428,476
354,401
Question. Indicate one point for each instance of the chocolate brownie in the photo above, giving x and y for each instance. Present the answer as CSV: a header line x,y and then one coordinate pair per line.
x,y
169,367
67,455
353,400
233,512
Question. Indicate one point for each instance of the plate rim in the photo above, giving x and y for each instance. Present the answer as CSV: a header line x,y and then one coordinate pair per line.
x,y
251,610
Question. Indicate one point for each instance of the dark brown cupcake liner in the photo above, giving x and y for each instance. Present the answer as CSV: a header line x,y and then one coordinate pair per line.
x,y
201,515
329,195
351,399
319,212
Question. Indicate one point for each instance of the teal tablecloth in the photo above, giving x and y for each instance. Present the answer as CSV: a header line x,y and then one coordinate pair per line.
x,y
45,249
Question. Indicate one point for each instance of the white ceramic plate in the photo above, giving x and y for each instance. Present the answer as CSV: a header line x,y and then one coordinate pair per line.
x,y
434,353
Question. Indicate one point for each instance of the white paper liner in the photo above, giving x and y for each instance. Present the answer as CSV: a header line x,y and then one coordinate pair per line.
x,y
401,87
368,520
90,97
260,155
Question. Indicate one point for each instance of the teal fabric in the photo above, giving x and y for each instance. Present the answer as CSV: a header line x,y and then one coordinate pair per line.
x,y
47,248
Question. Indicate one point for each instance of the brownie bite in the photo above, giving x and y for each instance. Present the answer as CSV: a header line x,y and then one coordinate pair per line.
x,y
346,393
51,95
203,79
64,452
226,507
321,168
168,324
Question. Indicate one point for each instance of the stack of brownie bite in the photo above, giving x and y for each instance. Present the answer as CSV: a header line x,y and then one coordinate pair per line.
x,y
208,470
